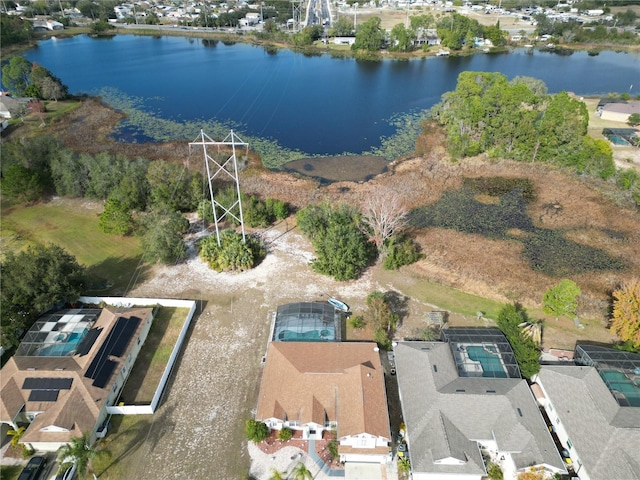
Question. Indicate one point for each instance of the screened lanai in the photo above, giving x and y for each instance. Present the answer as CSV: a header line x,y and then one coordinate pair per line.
x,y
307,322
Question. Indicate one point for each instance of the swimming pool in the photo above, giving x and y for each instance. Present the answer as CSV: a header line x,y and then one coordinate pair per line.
x,y
490,362
65,344
308,336
617,140
618,381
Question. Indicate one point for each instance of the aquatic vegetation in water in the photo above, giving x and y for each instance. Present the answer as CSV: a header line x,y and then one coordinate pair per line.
x,y
142,125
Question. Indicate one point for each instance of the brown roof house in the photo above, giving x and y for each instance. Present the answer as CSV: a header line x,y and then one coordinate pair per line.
x,y
619,111
315,387
70,366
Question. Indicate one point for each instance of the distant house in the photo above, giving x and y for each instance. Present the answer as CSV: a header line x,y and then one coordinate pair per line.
x,y
619,111
344,40
315,387
70,366
53,25
594,407
462,400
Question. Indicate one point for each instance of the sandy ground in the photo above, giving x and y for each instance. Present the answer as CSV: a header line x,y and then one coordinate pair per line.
x,y
215,385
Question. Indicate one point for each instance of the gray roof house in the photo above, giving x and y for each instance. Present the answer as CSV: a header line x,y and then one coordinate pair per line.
x,y
594,407
455,414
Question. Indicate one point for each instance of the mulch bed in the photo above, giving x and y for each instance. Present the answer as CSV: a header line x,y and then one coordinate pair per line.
x,y
272,444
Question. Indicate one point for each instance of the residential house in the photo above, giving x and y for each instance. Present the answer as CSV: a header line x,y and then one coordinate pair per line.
x,y
463,401
618,111
316,387
70,366
594,407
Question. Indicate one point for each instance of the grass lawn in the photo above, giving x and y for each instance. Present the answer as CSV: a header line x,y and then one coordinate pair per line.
x,y
153,357
72,224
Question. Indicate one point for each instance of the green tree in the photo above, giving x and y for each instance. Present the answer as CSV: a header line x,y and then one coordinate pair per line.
x,y
342,249
343,27
402,38
133,189
33,281
21,184
80,451
115,218
525,350
379,312
16,75
634,119
14,29
256,431
369,35
562,299
173,187
625,321
162,240
285,434
494,471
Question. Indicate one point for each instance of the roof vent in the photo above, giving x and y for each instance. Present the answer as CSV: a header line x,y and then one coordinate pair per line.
x,y
519,411
435,368
491,391
460,390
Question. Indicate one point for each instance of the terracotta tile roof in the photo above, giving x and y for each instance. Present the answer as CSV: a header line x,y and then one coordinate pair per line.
x,y
311,380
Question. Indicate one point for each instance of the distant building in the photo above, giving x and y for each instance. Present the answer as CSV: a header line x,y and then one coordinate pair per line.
x,y
618,111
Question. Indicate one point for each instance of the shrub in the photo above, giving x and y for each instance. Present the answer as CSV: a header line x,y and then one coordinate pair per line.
x,y
381,338
494,472
256,431
285,434
277,208
232,254
401,251
332,446
524,348
357,322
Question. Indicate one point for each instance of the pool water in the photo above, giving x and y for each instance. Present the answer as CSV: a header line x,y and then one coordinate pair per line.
x,y
309,336
491,362
617,140
63,346
618,381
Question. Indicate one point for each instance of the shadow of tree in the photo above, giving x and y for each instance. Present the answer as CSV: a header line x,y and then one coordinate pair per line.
x,y
116,275
399,305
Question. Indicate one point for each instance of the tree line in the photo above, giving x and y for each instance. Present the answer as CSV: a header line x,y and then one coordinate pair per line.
x,y
518,120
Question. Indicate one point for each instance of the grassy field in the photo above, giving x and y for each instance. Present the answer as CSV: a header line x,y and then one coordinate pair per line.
x,y
153,357
110,260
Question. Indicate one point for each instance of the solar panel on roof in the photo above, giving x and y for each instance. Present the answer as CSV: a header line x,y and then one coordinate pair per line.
x,y
88,341
43,395
125,328
44,383
102,376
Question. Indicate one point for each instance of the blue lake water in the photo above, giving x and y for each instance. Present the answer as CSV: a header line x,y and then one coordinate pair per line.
x,y
315,104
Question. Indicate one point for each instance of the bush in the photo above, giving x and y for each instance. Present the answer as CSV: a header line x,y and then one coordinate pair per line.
x,y
285,434
277,208
332,446
256,431
494,472
524,348
401,251
232,254
381,338
357,322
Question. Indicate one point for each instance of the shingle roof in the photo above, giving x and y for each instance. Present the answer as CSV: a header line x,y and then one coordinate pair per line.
x,y
308,380
447,414
593,419
76,408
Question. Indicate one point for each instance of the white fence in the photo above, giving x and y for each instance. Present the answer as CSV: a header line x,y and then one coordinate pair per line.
x,y
149,302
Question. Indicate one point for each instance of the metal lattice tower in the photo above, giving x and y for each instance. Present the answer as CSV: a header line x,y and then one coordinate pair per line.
x,y
296,11
216,168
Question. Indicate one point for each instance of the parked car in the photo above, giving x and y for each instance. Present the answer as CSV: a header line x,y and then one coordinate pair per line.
x,y
34,468
67,471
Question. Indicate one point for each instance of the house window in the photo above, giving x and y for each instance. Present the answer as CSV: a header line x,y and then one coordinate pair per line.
x,y
557,421
138,342
569,444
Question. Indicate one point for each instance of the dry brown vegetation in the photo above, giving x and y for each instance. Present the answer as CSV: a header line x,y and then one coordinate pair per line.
x,y
486,267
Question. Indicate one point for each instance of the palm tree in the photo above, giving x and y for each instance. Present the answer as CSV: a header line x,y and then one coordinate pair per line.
x,y
80,451
276,475
301,472
16,435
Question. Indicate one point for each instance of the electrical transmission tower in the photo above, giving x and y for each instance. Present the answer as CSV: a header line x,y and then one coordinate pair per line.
x,y
296,11
216,167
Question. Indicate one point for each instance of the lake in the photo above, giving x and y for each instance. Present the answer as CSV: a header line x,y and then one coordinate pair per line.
x,y
316,105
